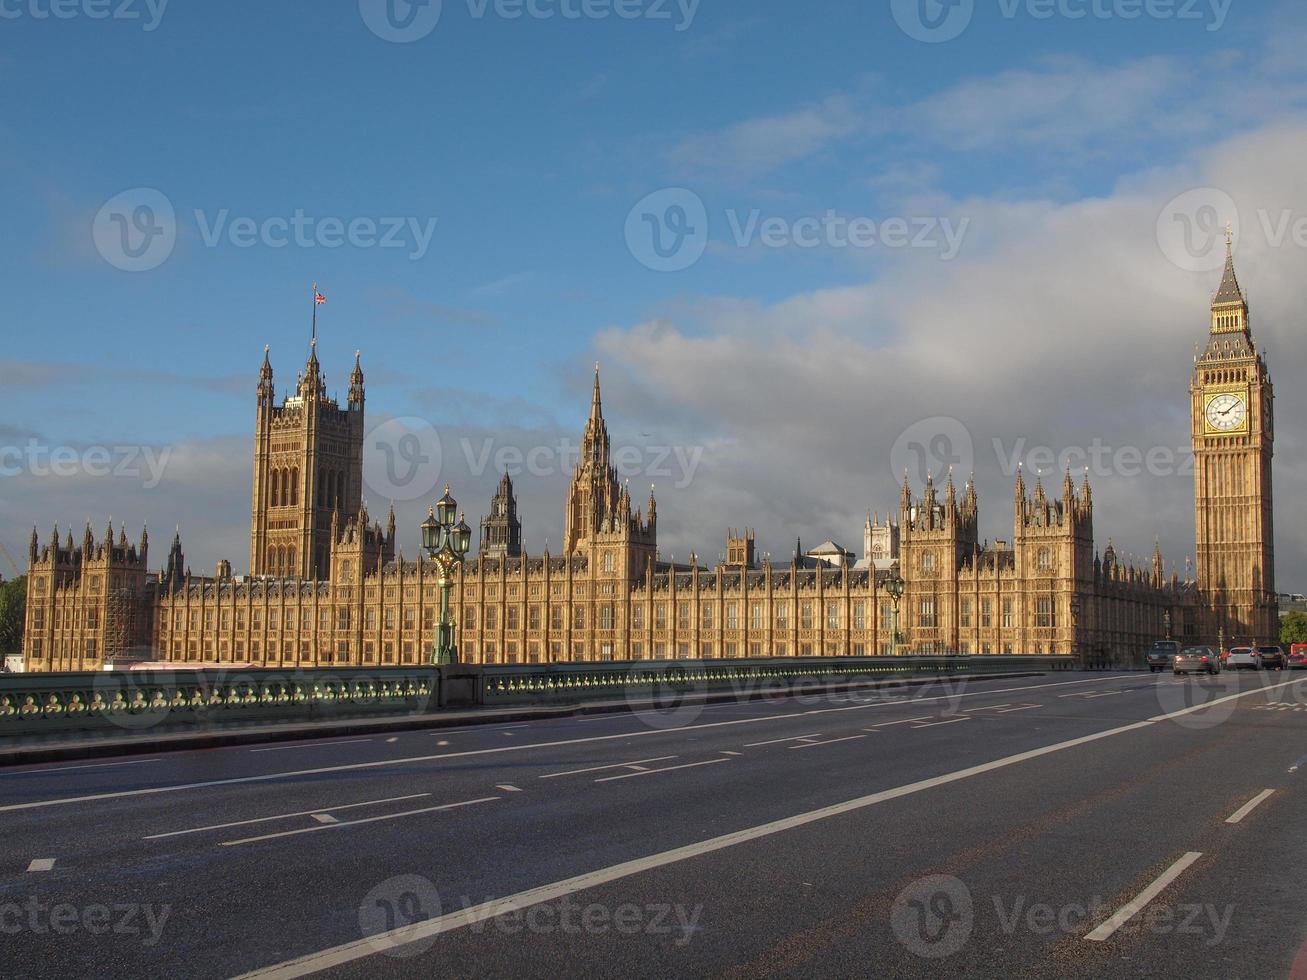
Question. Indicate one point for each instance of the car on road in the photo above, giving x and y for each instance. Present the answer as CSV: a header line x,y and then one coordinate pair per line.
x,y
1240,658
1270,658
1199,660
1160,655
1297,659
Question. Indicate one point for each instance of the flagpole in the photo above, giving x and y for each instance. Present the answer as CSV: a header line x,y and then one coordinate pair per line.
x,y
315,315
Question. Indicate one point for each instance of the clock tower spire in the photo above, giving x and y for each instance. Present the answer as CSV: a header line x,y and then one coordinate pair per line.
x,y
1232,404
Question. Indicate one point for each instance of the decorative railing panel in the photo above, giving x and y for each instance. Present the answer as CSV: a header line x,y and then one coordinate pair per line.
x,y
566,682
122,702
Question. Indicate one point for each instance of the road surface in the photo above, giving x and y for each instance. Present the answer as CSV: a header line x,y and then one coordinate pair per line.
x,y
1076,825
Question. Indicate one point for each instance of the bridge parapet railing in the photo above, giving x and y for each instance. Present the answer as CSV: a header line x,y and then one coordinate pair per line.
x,y
125,701
575,682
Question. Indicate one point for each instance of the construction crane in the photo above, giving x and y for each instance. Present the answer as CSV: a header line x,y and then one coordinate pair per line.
x,y
18,573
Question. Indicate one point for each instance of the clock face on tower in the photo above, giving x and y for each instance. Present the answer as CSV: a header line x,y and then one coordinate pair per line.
x,y
1226,412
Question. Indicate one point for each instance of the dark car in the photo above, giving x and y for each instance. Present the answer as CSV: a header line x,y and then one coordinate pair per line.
x,y
1270,658
1200,660
1160,655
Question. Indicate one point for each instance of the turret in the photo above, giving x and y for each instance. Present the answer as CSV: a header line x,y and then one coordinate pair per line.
x,y
265,389
356,385
312,386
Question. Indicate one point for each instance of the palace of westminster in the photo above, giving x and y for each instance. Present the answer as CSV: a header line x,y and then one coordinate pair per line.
x,y
325,587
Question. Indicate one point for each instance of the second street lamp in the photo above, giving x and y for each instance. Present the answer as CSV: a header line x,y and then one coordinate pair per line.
x,y
446,544
894,586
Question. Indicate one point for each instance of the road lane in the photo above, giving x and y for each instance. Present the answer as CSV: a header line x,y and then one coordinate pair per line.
x,y
549,830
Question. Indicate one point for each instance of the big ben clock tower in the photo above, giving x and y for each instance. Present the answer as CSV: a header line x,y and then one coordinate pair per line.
x,y
1233,435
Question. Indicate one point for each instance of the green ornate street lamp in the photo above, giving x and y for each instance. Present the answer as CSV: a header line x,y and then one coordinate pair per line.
x,y
1075,622
894,586
446,544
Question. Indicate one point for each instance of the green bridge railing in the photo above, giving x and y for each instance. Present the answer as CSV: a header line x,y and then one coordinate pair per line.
x,y
123,702
120,702
563,683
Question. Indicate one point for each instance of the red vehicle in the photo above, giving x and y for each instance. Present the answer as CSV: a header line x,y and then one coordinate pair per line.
x,y
1297,659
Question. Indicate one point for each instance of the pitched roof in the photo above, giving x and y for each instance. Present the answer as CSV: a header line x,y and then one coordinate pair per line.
x,y
1229,291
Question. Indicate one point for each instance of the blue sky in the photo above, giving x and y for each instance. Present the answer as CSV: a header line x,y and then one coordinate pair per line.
x,y
529,141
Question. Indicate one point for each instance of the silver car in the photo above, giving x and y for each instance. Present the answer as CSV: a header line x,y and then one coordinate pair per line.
x,y
1196,660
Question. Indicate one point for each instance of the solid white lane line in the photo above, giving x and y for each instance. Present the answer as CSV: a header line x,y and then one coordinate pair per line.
x,y
1133,907
615,765
775,741
1250,806
654,772
643,733
508,788
325,818
992,707
729,752
285,816
1076,694
93,765
950,721
312,745
41,864
829,741
355,823
1102,694
349,952
1024,707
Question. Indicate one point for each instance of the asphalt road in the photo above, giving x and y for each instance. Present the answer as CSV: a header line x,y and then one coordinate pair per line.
x,y
1070,826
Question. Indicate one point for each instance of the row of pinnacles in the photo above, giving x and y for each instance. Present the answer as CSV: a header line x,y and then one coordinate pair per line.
x,y
98,590
1048,533
69,560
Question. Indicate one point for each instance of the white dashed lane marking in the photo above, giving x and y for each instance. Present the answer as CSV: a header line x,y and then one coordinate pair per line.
x,y
829,741
1250,806
777,741
616,765
338,825
287,816
1133,907
655,772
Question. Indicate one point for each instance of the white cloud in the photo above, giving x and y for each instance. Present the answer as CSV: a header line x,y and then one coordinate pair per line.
x,y
758,145
1063,325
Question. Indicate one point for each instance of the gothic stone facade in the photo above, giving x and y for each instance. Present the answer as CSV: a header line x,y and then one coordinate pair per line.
x,y
327,587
